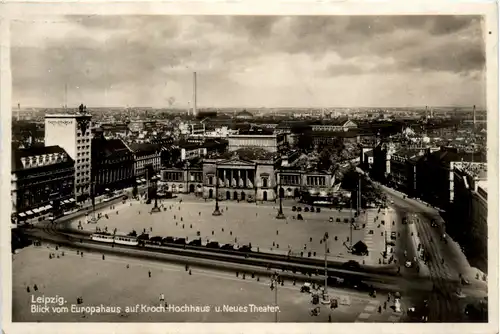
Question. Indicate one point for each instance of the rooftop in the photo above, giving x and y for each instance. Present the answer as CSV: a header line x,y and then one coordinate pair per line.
x,y
247,153
17,154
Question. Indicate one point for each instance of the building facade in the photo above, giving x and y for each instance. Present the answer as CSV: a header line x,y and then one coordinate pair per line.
x,y
73,134
269,142
112,165
42,181
144,155
247,180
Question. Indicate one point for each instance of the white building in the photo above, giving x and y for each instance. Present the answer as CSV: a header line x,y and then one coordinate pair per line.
x,y
73,134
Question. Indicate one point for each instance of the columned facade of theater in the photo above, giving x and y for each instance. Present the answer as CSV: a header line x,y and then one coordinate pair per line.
x,y
239,181
236,183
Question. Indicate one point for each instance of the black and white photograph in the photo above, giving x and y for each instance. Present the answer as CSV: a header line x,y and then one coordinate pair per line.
x,y
251,169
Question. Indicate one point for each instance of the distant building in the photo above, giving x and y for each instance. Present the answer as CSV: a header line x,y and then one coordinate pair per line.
x,y
403,169
469,214
269,142
335,125
42,181
112,165
144,155
435,174
73,134
191,151
244,115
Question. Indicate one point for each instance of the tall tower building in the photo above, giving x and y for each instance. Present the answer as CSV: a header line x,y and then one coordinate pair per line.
x,y
73,133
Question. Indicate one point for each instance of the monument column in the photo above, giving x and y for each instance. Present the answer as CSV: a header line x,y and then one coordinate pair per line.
x,y
224,177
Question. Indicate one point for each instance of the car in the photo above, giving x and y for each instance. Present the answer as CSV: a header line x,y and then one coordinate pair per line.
x,y
351,264
213,244
391,243
393,235
464,281
408,264
245,248
168,240
195,242
180,241
299,209
227,247
294,208
156,240
143,236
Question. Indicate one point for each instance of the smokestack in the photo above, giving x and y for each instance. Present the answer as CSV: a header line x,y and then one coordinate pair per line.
x,y
194,94
474,115
18,110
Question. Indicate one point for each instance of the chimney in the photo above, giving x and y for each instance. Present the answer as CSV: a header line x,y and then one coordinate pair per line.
x,y
474,115
194,94
18,110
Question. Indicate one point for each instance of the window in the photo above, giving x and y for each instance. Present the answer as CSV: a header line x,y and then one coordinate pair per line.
x,y
211,180
264,182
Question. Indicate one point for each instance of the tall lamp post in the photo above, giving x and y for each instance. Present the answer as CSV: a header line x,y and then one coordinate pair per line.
x,y
275,278
216,210
155,207
325,290
280,215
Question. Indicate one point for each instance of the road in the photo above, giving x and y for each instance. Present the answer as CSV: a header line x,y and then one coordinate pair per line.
x,y
446,261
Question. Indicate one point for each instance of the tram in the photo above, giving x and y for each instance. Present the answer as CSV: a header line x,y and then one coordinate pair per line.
x,y
117,239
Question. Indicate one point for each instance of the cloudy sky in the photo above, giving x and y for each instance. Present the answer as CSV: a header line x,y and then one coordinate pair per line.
x,y
249,61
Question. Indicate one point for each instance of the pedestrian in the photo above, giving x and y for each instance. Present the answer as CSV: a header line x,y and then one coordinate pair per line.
x,y
103,256
35,287
189,271
128,266
149,273
28,289
81,253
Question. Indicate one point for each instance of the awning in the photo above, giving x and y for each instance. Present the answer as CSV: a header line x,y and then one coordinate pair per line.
x,y
22,214
143,180
138,181
66,201
48,207
29,212
71,200
36,210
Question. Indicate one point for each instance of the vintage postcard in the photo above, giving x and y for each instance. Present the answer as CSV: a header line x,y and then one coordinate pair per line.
x,y
229,168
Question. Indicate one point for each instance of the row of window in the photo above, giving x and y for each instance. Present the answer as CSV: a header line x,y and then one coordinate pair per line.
x,y
83,180
316,181
83,154
86,134
78,141
83,173
82,147
290,179
82,160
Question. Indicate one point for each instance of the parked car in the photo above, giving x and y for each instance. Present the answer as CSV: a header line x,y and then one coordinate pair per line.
x,y
180,241
351,264
294,208
156,240
393,235
213,244
195,242
227,247
299,209
245,248
168,240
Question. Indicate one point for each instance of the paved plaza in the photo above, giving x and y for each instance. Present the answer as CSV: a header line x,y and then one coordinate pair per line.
x,y
244,223
100,283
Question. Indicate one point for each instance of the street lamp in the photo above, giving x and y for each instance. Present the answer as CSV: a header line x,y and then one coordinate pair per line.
x,y
280,215
274,286
325,290
216,210
155,207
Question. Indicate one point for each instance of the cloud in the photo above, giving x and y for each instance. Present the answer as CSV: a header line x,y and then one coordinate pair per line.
x,y
255,60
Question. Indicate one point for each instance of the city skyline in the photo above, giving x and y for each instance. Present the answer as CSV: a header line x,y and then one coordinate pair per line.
x,y
315,62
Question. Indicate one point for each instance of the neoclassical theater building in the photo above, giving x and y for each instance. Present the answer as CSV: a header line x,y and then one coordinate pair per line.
x,y
250,178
